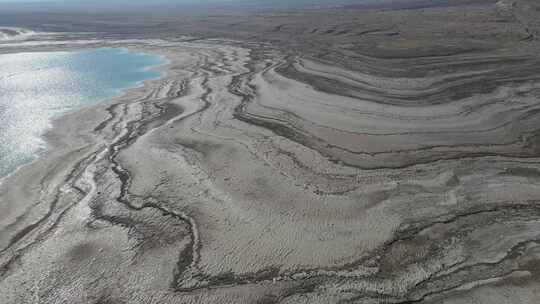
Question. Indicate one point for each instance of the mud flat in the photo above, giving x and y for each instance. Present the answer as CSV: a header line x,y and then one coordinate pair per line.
x,y
251,173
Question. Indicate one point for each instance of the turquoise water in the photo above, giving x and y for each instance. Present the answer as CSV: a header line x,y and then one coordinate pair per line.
x,y
36,87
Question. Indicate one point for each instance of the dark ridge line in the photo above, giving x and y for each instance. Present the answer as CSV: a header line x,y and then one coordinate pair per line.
x,y
295,135
124,177
484,83
52,206
135,130
226,279
310,142
448,53
29,209
514,252
112,116
74,174
365,32
441,86
525,113
269,274
420,66
181,263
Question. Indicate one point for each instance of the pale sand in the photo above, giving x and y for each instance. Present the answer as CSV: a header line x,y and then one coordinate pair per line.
x,y
239,178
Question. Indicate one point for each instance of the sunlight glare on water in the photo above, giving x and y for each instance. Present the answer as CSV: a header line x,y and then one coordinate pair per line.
x,y
36,87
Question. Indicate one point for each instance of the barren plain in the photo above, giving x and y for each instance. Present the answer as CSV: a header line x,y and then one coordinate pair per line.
x,y
344,155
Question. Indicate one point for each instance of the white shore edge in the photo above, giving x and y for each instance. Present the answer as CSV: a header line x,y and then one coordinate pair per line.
x,y
162,69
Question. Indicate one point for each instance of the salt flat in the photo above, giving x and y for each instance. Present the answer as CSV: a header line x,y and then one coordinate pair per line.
x,y
401,169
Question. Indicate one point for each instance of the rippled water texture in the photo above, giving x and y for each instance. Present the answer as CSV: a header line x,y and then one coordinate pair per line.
x,y
36,87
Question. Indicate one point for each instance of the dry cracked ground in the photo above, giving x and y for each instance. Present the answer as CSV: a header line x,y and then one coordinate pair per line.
x,y
345,156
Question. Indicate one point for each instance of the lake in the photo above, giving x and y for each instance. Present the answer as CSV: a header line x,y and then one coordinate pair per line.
x,y
37,87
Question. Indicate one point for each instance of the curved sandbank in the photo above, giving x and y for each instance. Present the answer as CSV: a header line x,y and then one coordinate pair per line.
x,y
253,174
39,87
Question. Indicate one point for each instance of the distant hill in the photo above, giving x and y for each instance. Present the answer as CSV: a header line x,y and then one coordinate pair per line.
x,y
133,5
413,4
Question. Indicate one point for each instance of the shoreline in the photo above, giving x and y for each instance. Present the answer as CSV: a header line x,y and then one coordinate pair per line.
x,y
253,173
161,68
70,139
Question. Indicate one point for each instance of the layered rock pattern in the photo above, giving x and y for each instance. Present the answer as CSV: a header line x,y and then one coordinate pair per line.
x,y
250,174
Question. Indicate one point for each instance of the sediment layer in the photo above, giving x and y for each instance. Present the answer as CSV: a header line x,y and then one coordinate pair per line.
x,y
250,174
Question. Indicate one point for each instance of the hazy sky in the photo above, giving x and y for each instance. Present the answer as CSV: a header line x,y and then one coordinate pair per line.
x,y
100,4
113,1
145,1
119,2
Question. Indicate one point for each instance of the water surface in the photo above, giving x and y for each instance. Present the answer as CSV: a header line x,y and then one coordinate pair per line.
x,y
36,87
